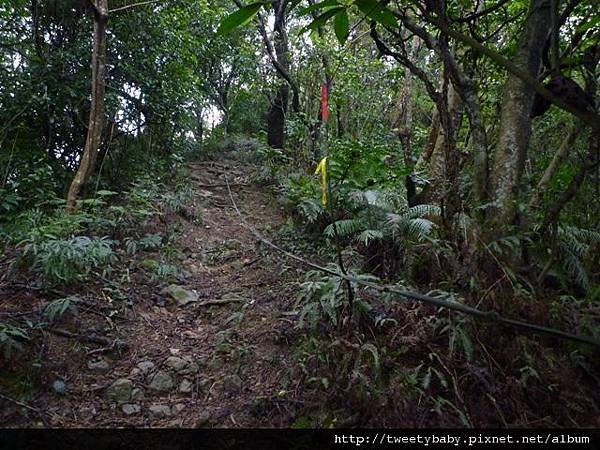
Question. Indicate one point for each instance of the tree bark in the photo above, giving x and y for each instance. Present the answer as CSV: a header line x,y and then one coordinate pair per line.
x,y
402,123
279,103
434,132
542,185
276,118
96,118
441,162
402,118
515,123
590,162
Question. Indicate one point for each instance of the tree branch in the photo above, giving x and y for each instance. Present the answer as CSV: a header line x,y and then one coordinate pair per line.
x,y
479,14
133,5
99,14
590,118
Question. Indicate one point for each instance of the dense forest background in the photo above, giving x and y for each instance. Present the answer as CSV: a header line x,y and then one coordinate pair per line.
x,y
459,144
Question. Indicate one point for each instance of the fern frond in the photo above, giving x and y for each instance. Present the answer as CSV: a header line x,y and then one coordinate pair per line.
x,y
383,199
311,210
590,237
423,210
574,245
572,264
419,229
401,225
369,235
345,228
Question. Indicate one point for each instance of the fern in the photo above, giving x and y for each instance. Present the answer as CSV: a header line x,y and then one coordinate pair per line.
x,y
325,298
590,237
572,264
505,246
384,199
402,225
56,308
575,245
344,228
311,210
423,210
10,339
369,349
367,236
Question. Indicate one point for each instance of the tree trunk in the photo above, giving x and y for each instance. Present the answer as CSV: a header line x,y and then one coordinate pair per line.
x,y
96,119
589,163
434,132
542,185
279,104
276,118
442,162
515,123
403,112
199,132
402,122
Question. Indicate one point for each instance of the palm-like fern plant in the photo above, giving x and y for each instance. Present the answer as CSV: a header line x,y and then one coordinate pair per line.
x,y
575,246
378,216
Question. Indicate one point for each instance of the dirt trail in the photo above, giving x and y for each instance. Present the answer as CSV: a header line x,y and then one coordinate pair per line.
x,y
224,365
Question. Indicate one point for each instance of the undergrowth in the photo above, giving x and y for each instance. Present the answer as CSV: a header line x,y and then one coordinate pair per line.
x,y
109,239
365,352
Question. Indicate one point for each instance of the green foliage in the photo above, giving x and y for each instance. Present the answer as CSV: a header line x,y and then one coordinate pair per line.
x,y
70,260
457,330
341,26
11,338
372,9
320,297
344,228
271,162
576,247
324,298
411,224
374,221
165,272
149,242
239,18
378,12
323,18
57,308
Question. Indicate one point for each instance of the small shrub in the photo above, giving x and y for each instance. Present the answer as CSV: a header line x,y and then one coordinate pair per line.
x,y
10,339
57,308
70,260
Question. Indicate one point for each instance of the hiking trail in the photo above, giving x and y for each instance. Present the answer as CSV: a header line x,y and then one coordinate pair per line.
x,y
212,350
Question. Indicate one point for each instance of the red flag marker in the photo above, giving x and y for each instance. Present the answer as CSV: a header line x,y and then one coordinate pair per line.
x,y
324,102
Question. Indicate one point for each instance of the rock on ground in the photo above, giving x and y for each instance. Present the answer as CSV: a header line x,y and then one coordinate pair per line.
x,y
146,366
185,386
100,365
130,409
176,363
160,410
162,381
120,391
181,295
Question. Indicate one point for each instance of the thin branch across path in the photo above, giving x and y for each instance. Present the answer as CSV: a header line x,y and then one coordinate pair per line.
x,y
491,316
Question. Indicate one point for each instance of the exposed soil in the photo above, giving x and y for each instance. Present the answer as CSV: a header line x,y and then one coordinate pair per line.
x,y
236,353
226,358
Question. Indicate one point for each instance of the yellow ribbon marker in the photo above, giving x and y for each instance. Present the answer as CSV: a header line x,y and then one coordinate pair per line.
x,y
322,169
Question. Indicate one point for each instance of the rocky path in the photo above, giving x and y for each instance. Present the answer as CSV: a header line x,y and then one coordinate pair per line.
x,y
213,350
